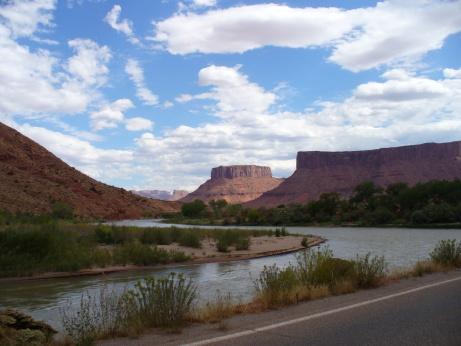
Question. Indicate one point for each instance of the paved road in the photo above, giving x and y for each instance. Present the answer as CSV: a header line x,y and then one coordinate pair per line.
x,y
424,311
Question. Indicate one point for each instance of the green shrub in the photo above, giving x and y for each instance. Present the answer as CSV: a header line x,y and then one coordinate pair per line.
x,y
222,244
140,254
309,265
190,239
305,242
369,270
162,302
239,239
193,209
243,243
275,283
96,317
150,303
447,253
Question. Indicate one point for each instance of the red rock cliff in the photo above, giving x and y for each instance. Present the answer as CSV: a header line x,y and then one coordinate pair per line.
x,y
318,172
235,184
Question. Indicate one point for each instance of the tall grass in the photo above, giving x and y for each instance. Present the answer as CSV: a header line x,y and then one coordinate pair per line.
x,y
152,302
447,252
317,273
170,301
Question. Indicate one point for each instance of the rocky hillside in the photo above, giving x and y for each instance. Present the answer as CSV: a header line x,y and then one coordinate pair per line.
x,y
161,194
318,172
32,179
235,184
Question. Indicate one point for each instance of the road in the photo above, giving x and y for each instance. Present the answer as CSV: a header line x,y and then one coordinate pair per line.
x,y
423,311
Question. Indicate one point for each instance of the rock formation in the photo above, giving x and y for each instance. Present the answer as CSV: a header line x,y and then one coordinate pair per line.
x,y
235,184
162,195
32,179
318,172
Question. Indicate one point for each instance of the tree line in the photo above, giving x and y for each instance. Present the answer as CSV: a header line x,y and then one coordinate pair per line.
x,y
434,202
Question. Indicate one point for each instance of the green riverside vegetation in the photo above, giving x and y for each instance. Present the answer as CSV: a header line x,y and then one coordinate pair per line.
x,y
63,246
172,301
422,205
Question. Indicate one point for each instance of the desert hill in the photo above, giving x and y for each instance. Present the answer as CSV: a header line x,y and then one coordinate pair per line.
x,y
318,172
235,184
32,179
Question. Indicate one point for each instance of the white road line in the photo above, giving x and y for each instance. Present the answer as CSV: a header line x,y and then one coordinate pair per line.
x,y
317,315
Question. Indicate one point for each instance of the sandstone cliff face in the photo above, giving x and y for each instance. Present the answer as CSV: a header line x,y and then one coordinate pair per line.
x,y
235,184
319,172
32,179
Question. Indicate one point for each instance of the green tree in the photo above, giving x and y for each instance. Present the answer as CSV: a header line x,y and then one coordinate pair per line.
x,y
193,209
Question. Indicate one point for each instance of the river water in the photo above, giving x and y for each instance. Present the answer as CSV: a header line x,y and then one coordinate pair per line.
x,y
401,247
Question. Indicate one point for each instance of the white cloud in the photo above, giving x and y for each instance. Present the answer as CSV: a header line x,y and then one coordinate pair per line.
x,y
245,27
109,116
402,109
234,94
136,74
88,65
31,82
184,98
452,73
397,30
204,3
124,26
401,90
105,164
361,39
25,17
36,82
138,124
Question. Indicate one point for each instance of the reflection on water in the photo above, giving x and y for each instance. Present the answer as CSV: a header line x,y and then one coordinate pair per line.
x,y
401,247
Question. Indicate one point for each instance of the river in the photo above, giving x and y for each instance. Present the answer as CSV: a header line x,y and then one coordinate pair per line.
x,y
401,247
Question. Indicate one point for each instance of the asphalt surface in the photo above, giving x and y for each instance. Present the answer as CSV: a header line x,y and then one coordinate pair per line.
x,y
423,311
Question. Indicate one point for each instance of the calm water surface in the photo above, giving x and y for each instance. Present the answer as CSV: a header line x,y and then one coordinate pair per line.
x,y
401,247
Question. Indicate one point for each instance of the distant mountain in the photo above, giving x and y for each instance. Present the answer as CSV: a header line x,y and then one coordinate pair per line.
x,y
318,172
235,184
32,179
162,195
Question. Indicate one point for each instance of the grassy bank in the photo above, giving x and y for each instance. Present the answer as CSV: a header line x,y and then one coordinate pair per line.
x,y
27,249
172,302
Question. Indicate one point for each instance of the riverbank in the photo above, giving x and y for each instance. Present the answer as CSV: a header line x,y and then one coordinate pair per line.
x,y
316,274
328,320
261,246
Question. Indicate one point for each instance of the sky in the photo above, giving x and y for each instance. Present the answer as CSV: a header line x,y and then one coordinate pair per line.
x,y
151,94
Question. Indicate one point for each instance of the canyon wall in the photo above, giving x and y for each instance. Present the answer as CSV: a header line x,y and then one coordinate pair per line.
x,y
235,184
318,172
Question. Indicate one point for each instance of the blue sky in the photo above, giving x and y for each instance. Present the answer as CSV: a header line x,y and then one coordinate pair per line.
x,y
153,94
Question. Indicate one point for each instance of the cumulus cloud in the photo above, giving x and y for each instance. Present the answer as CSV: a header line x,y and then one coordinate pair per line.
x,y
124,26
99,163
234,93
204,3
136,74
452,73
402,109
31,81
138,124
361,38
88,65
25,17
111,115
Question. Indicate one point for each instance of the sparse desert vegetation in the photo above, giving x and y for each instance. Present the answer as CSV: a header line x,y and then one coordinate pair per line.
x,y
172,302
